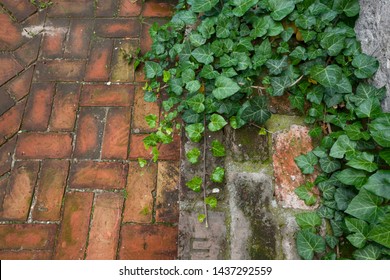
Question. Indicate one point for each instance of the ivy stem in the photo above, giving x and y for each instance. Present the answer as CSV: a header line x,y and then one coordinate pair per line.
x,y
297,81
256,87
204,174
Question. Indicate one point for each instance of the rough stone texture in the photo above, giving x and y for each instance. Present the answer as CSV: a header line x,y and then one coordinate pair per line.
x,y
372,30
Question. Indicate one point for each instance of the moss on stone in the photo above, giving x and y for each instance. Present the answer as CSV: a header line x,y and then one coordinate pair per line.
x,y
282,122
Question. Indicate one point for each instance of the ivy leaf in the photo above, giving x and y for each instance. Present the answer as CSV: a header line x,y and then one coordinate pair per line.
x,y
342,146
151,120
305,22
152,69
365,206
218,175
350,7
260,27
366,91
304,193
354,132
197,40
281,8
329,165
315,95
380,130
196,103
351,176
195,184
195,131
327,191
217,149
201,218
274,28
257,111
142,162
379,184
184,17
326,212
306,162
203,54
191,117
308,220
211,201
193,86
343,86
208,72
385,155
188,75
225,87
216,123
276,66
363,161
279,84
343,197
332,242
327,76
365,65
201,6
193,155
370,108
309,243
370,252
242,6
176,86
299,53
333,43
359,229
380,233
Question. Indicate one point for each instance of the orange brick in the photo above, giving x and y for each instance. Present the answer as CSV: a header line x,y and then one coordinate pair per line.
x,y
72,237
51,185
141,182
20,86
27,237
28,53
117,28
38,108
116,134
107,95
148,242
167,151
43,146
77,44
17,200
129,8
10,121
98,175
65,107
10,33
105,225
9,67
25,255
59,70
141,110
6,153
98,67
157,9
89,133
53,42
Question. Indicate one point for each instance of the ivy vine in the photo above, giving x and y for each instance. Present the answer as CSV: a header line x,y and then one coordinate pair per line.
x,y
217,62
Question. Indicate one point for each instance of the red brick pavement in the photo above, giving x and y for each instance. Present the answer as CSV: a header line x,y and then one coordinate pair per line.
x,y
71,129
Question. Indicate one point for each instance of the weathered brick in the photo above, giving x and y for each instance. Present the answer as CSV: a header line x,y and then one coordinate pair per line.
x,y
9,67
38,108
141,182
140,73
19,87
50,190
122,71
146,42
116,134
129,8
98,175
148,242
77,44
106,8
89,133
98,67
167,198
157,9
17,200
167,151
71,8
20,9
54,38
25,255
72,237
43,146
141,110
117,28
59,70
10,33
28,53
6,101
3,189
107,95
65,106
10,121
27,236
6,153
105,225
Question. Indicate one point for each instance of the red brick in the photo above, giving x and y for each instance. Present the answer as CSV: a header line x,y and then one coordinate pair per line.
x,y
167,198
157,9
25,255
54,39
20,9
65,106
122,71
20,86
167,151
43,145
117,28
3,189
130,8
107,95
116,134
140,73
10,33
17,200
141,182
10,121
59,70
98,175
6,101
141,110
89,133
28,53
9,67
106,8
38,108
6,153
27,237
51,185
287,146
77,45
148,242
73,234
71,8
98,67
105,225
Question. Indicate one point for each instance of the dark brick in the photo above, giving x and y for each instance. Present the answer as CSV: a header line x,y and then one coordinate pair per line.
x,y
19,87
10,33
130,8
6,153
9,67
20,9
77,45
25,255
107,95
71,8
28,53
6,101
117,28
10,121
106,8
59,70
